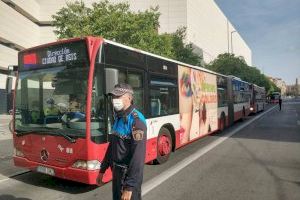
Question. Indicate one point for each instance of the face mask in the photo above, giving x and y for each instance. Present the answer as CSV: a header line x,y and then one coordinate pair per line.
x,y
118,104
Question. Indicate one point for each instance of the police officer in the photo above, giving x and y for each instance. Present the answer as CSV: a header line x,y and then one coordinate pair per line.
x,y
127,147
280,102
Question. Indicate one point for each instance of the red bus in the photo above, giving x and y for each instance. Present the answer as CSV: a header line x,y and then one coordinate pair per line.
x,y
274,97
258,98
63,116
238,99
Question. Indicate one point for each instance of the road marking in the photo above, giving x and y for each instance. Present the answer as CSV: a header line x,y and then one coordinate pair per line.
x,y
6,179
292,103
159,179
298,122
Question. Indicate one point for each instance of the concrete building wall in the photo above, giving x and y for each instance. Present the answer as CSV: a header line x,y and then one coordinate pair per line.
x,y
47,35
7,55
209,29
31,7
16,28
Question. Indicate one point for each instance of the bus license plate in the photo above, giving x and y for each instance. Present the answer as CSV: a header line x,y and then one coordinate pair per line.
x,y
45,170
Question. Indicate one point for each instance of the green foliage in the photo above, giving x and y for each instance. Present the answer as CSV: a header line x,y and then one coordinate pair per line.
x,y
229,64
116,22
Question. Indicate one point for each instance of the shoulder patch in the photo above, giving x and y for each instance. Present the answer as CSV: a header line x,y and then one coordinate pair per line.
x,y
137,135
135,114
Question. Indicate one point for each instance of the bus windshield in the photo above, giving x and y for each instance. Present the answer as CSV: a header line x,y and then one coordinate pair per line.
x,y
52,101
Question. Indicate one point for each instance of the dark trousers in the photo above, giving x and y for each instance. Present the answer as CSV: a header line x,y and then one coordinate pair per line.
x,y
279,106
119,174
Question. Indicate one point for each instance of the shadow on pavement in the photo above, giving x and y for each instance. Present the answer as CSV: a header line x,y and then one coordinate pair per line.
x,y
278,126
54,183
11,197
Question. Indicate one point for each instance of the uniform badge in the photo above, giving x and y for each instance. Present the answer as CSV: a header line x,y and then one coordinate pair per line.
x,y
135,115
137,135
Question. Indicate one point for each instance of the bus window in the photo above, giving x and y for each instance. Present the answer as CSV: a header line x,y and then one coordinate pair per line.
x,y
163,96
122,76
222,99
136,82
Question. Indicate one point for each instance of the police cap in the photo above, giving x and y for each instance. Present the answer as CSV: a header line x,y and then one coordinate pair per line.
x,y
121,89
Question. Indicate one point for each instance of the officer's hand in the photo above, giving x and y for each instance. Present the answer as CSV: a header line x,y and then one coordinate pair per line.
x,y
126,195
99,179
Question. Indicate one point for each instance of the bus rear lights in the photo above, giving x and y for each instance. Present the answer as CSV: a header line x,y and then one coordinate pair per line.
x,y
18,153
87,165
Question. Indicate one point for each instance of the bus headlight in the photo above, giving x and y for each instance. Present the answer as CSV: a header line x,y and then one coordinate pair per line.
x,y
93,165
251,108
18,153
87,165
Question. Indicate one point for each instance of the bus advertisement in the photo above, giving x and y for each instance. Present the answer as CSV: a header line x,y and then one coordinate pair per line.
x,y
63,115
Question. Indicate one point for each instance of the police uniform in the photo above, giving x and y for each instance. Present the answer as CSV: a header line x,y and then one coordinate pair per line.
x,y
126,152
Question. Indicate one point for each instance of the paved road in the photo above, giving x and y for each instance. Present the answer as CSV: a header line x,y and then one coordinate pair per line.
x,y
260,161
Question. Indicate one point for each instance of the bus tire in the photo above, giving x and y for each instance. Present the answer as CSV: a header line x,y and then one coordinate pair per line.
x,y
164,146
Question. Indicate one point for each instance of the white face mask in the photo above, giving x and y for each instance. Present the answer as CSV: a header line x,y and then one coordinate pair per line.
x,y
118,104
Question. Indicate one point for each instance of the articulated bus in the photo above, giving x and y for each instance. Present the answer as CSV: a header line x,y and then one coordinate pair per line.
x,y
239,99
258,98
63,115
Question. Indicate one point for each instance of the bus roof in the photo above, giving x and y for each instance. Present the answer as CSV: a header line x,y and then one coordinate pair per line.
x,y
238,79
258,86
161,57
53,43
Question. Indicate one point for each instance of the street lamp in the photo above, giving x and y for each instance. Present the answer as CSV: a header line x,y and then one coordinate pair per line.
x,y
231,40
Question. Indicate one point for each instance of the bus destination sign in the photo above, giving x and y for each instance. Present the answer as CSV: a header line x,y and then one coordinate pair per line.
x,y
59,56
56,55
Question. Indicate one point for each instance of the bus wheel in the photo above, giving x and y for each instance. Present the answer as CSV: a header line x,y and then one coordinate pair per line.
x,y
164,146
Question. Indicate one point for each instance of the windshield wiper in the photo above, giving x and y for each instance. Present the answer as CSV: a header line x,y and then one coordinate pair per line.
x,y
70,139
21,132
49,131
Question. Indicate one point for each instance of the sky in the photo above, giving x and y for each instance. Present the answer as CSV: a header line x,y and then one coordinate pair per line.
x,y
271,28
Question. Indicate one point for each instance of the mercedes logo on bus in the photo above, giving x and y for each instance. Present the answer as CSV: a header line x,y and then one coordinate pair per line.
x,y
44,155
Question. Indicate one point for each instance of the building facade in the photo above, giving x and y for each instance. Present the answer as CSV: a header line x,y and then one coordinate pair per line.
x,y
25,24
280,84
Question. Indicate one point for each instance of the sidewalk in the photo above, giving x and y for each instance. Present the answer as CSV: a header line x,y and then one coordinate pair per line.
x,y
7,168
4,129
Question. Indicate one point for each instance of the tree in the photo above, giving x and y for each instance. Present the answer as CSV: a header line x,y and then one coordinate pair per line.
x,y
229,64
116,22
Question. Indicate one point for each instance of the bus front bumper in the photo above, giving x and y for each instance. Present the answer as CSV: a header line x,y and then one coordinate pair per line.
x,y
70,173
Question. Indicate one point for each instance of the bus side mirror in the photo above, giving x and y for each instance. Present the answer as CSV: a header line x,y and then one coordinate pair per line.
x,y
111,76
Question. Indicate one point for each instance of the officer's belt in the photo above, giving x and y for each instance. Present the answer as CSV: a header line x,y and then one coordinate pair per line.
x,y
121,136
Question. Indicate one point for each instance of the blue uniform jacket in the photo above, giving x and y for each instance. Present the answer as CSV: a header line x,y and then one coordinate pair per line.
x,y
127,146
